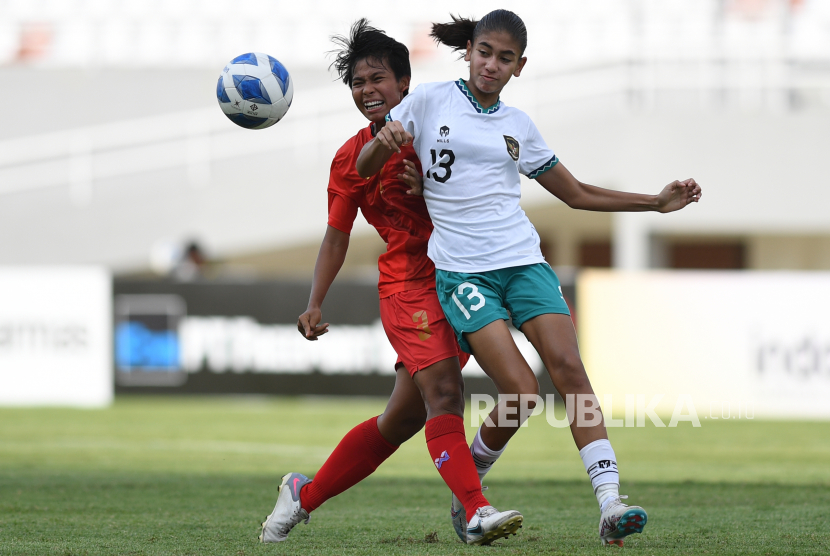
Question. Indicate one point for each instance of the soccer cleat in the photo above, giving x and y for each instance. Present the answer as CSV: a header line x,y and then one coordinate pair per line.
x,y
489,524
618,521
459,517
288,512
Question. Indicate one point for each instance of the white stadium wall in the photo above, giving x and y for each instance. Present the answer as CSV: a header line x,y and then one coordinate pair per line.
x,y
119,144
735,345
55,336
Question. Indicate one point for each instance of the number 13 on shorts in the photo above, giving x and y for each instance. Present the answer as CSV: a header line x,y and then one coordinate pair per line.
x,y
474,294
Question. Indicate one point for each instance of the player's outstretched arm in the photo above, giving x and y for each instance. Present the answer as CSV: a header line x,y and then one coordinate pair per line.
x,y
329,260
376,152
561,183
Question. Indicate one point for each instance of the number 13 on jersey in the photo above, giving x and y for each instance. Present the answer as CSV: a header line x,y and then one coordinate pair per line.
x,y
447,158
474,294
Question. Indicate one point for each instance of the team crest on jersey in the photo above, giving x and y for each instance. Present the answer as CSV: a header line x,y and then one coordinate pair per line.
x,y
512,147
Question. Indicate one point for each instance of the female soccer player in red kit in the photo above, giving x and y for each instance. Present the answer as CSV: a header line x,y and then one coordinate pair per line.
x,y
429,386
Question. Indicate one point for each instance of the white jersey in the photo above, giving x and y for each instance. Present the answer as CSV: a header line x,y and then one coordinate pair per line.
x,y
472,158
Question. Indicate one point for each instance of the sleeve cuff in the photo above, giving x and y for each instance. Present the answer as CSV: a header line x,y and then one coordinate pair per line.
x,y
340,226
544,168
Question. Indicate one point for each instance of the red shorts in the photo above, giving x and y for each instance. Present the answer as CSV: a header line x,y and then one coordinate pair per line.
x,y
417,329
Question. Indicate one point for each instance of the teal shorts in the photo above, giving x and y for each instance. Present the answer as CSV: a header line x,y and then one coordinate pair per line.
x,y
472,301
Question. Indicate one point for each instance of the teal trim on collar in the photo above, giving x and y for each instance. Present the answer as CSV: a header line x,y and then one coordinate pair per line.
x,y
463,88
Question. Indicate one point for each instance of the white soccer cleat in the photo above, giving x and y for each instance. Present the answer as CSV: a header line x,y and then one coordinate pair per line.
x,y
618,521
489,524
459,517
288,512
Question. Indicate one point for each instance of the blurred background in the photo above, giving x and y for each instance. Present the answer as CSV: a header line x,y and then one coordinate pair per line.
x,y
116,159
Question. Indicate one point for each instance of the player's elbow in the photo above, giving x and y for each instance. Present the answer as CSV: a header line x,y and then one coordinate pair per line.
x,y
363,170
363,164
335,239
573,201
578,199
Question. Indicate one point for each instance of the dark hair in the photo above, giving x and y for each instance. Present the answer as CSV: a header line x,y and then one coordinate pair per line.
x,y
460,30
364,41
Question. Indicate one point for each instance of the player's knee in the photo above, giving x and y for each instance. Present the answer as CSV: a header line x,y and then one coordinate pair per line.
x,y
524,386
569,370
451,388
531,388
447,397
442,387
529,398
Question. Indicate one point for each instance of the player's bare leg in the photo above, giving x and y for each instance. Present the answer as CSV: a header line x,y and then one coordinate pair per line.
x,y
554,338
496,352
442,388
405,412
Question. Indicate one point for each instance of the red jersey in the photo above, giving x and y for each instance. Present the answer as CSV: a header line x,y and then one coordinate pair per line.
x,y
401,220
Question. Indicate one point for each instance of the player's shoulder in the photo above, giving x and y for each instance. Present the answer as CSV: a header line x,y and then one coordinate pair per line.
x,y
434,85
352,147
432,89
508,111
343,176
519,120
438,90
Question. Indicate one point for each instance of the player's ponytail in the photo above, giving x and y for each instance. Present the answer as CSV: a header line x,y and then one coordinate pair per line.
x,y
456,33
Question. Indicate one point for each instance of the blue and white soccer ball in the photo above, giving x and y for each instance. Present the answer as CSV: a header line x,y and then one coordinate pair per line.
x,y
255,90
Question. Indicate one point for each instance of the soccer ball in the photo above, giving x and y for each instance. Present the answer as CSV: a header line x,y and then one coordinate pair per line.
x,y
254,90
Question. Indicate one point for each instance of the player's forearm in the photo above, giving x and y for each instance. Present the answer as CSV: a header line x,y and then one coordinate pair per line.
x,y
561,183
591,197
372,158
329,261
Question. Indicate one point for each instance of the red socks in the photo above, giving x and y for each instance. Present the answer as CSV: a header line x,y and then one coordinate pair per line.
x,y
363,449
451,455
355,458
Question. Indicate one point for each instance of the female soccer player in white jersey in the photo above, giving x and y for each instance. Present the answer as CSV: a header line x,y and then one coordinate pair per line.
x,y
489,265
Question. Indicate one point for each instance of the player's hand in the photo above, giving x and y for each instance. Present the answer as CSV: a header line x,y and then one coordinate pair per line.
x,y
677,195
309,324
412,178
393,135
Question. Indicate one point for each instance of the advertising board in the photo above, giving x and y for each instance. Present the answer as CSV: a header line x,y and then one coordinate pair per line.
x,y
215,337
55,336
732,344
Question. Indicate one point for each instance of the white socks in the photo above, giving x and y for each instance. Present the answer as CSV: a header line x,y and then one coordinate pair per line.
x,y
605,493
598,457
483,457
601,465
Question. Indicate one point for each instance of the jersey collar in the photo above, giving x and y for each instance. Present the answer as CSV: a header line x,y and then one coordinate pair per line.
x,y
463,88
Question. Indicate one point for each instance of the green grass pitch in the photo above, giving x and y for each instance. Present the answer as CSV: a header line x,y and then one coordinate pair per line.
x,y
195,476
